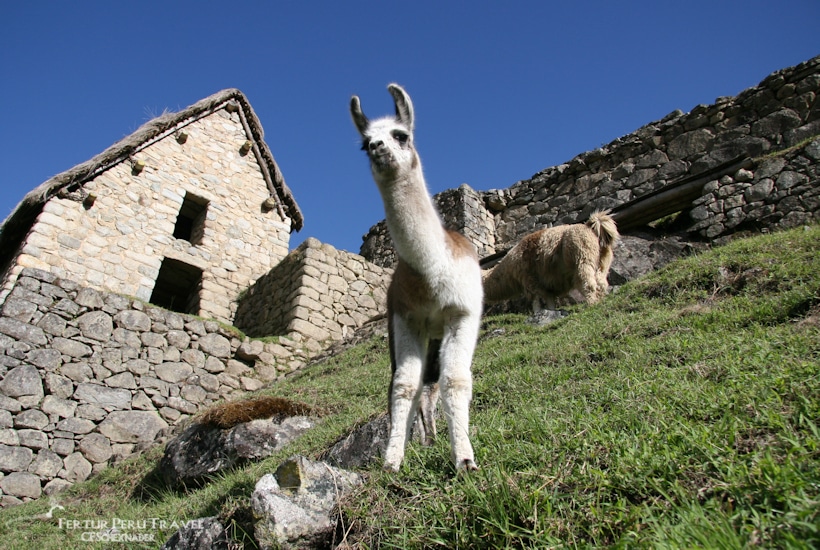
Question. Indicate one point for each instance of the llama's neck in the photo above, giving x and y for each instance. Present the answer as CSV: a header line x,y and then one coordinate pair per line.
x,y
414,224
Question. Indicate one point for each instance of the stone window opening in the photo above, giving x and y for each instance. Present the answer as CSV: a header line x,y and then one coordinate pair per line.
x,y
190,224
177,287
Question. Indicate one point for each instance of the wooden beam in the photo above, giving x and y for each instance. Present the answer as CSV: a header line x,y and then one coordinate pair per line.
x,y
671,198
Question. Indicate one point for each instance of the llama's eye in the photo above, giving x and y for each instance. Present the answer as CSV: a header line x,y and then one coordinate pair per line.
x,y
365,143
400,136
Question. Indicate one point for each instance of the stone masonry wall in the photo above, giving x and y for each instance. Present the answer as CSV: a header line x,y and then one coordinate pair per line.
x,y
90,377
781,190
316,294
781,112
117,244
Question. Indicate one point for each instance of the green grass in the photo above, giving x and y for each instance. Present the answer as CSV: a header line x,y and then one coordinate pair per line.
x,y
680,412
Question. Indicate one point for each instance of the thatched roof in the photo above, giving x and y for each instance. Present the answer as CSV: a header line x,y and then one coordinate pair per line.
x,y
17,224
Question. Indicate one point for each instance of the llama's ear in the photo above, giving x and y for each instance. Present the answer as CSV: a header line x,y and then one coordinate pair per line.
x,y
404,107
359,119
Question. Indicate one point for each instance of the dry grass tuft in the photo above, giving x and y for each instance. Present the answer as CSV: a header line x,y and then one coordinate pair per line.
x,y
228,415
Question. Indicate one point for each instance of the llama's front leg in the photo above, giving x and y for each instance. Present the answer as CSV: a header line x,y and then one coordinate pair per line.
x,y
456,384
404,393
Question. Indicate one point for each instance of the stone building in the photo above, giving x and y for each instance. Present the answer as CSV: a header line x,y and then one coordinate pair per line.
x,y
185,213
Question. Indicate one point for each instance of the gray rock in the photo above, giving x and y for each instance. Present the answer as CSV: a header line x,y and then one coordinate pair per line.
x,y
132,426
153,340
203,450
174,372
48,359
639,253
193,357
62,446
90,298
178,339
22,485
15,459
133,320
52,324
182,405
138,366
102,396
9,404
78,372
759,190
127,338
213,364
72,348
96,325
192,393
690,143
122,380
64,408
77,468
22,331
34,439
56,486
46,464
76,426
23,380
250,350
216,345
293,507
206,381
31,418
261,438
199,534
59,386
96,448
21,310
546,316
9,437
361,446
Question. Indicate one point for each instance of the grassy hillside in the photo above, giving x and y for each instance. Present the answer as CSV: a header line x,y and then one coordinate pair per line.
x,y
681,412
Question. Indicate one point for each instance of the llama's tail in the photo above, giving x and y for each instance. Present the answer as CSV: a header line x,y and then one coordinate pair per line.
x,y
500,283
604,228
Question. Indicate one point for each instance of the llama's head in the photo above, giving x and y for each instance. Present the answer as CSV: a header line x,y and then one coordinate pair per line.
x,y
388,141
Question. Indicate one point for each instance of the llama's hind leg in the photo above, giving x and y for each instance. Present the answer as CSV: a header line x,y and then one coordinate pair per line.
x,y
587,282
405,390
426,421
456,384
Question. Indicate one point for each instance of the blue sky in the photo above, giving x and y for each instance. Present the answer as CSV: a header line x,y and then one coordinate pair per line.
x,y
501,90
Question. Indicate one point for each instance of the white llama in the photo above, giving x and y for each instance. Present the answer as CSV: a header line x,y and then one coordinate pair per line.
x,y
435,297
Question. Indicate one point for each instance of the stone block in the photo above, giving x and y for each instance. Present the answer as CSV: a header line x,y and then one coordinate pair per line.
x,y
21,485
22,381
54,405
102,396
132,426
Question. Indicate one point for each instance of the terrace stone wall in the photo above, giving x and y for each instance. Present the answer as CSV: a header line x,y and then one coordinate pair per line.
x,y
88,378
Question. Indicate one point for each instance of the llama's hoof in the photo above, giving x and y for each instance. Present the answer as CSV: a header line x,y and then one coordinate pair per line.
x,y
467,465
390,467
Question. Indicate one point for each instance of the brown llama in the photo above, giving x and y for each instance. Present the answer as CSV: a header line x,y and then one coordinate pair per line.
x,y
550,263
